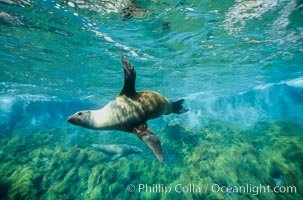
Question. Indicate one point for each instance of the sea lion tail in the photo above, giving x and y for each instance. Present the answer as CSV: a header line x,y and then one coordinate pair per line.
x,y
178,108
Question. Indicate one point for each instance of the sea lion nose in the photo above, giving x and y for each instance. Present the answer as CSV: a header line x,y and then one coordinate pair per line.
x,y
71,119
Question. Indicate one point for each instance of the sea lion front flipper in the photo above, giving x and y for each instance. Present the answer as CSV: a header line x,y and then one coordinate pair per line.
x,y
129,88
116,157
151,140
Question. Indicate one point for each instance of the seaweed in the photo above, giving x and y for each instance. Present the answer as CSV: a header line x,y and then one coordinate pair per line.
x,y
48,165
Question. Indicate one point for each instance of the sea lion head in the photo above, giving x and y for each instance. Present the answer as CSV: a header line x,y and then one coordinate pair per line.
x,y
81,118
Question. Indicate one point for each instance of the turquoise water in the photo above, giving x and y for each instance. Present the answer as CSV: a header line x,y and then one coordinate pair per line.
x,y
237,64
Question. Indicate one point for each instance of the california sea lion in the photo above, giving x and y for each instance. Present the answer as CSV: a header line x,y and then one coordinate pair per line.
x,y
117,151
129,111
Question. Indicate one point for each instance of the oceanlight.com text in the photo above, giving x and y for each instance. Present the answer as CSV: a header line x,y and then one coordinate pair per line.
x,y
206,188
253,189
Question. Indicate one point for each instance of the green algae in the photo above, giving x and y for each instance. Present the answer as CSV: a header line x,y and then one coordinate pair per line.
x,y
44,166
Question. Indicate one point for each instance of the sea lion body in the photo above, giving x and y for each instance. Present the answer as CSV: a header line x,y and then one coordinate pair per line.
x,y
116,151
124,113
130,111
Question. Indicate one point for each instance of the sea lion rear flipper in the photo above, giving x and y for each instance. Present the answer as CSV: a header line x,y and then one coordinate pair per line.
x,y
129,78
151,140
178,108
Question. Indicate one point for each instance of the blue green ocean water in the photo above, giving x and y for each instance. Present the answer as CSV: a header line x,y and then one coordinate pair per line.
x,y
237,63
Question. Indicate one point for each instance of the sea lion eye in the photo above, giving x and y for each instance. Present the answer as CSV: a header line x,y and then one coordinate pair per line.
x,y
79,113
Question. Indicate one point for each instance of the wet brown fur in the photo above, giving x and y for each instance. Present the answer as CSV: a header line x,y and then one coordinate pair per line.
x,y
130,111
